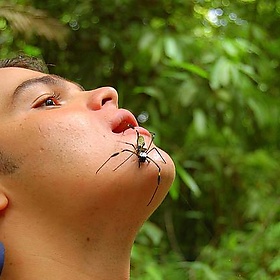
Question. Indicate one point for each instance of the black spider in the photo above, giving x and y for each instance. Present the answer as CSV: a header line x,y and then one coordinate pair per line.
x,y
143,156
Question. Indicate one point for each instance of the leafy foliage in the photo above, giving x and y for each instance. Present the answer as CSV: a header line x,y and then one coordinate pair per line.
x,y
203,75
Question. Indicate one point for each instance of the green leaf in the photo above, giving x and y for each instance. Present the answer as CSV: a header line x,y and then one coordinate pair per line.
x,y
149,90
146,41
174,190
230,48
153,232
206,270
220,75
188,180
199,122
31,50
157,51
154,272
172,49
188,67
187,93
262,115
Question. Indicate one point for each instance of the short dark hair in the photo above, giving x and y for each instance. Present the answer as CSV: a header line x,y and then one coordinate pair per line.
x,y
27,62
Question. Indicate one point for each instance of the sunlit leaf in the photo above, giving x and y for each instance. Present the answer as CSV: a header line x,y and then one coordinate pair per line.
x,y
220,75
199,122
146,41
261,113
188,180
153,273
153,232
172,49
230,48
156,51
204,270
187,93
189,67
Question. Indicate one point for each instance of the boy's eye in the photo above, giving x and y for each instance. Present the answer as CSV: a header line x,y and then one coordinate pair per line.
x,y
51,101
47,100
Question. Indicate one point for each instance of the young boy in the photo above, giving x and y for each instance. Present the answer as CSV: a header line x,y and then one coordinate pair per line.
x,y
59,217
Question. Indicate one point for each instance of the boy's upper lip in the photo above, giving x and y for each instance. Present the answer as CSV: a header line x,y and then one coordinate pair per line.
x,y
122,121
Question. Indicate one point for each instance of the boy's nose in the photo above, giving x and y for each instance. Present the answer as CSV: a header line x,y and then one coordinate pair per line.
x,y
102,96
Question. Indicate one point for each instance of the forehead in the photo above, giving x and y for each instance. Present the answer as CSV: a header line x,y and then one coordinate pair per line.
x,y
12,77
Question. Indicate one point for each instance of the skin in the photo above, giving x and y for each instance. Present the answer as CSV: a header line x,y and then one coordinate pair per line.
x,y
58,218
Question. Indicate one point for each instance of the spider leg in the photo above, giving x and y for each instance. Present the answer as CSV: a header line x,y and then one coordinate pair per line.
x,y
159,169
158,180
153,196
152,139
154,148
137,135
127,143
125,150
113,155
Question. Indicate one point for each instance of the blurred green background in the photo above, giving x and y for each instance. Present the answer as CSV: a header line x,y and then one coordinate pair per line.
x,y
202,75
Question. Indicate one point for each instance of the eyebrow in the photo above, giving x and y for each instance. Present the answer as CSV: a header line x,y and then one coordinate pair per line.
x,y
46,80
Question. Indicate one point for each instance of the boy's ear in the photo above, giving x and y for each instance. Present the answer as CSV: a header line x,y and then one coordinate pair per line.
x,y
3,201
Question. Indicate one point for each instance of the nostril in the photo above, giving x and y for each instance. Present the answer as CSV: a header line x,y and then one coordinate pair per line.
x,y
102,97
106,100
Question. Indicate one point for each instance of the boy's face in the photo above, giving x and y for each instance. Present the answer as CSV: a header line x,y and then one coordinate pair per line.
x,y
56,136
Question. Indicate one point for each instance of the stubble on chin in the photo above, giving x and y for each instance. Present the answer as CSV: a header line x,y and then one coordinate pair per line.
x,y
8,165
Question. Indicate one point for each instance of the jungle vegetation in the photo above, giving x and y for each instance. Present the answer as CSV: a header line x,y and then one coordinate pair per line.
x,y
202,75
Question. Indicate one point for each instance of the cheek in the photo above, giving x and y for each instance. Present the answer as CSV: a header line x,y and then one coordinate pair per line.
x,y
8,165
66,148
66,145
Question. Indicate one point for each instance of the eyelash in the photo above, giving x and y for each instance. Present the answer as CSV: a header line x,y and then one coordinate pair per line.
x,y
55,97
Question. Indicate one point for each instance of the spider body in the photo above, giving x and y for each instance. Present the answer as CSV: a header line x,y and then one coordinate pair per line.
x,y
142,154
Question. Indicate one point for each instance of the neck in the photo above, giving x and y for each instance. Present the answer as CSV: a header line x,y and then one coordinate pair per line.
x,y
31,267
68,256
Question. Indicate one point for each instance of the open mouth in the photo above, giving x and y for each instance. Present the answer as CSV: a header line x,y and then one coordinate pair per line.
x,y
122,127
123,120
